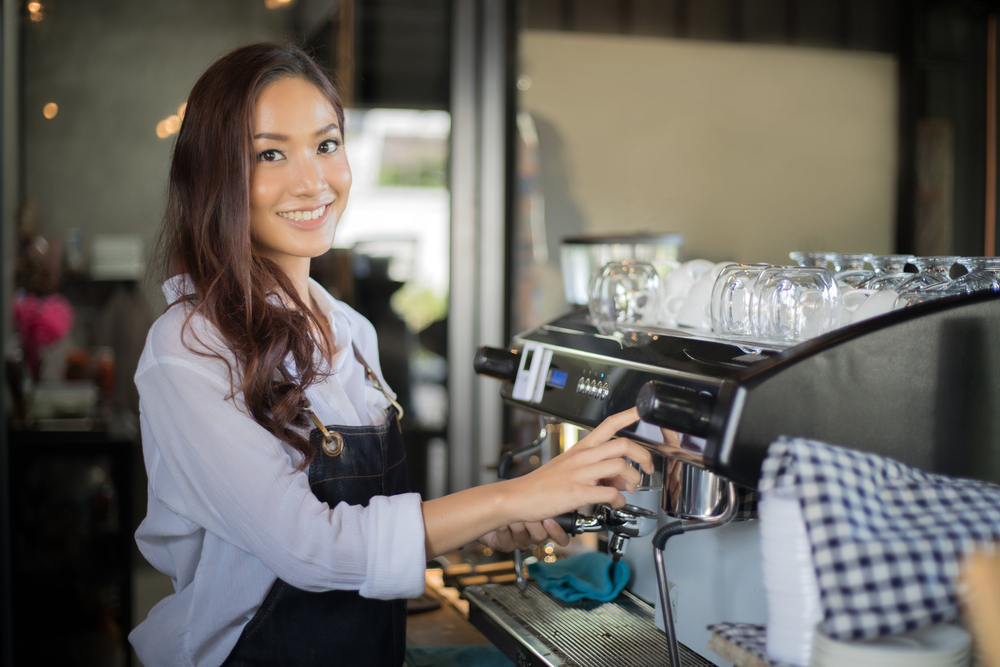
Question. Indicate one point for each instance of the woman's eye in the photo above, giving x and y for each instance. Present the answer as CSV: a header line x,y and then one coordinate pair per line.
x,y
329,146
269,155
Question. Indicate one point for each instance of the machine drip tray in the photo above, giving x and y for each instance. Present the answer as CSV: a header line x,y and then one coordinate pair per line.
x,y
536,630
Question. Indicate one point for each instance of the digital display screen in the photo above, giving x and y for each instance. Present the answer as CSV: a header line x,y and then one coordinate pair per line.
x,y
557,378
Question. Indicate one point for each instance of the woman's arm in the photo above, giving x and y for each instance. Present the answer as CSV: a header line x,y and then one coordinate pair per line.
x,y
594,470
214,467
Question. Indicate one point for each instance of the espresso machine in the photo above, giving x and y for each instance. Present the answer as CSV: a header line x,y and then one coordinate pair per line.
x,y
918,385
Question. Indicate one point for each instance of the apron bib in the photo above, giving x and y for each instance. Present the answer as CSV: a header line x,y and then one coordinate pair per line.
x,y
296,627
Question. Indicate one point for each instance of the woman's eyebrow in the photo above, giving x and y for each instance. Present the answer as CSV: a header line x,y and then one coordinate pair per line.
x,y
327,129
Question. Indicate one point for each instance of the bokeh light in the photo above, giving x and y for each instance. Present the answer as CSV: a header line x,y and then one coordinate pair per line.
x,y
50,110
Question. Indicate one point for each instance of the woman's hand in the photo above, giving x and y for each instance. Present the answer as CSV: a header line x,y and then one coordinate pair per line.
x,y
594,470
522,535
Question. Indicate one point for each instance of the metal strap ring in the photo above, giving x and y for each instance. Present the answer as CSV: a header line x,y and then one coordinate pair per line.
x,y
333,443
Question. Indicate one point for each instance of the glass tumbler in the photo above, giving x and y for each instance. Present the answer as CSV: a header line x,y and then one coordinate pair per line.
x,y
888,271
849,268
794,304
981,276
809,258
932,271
731,296
625,293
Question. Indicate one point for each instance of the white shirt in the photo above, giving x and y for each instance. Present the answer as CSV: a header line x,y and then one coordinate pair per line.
x,y
228,513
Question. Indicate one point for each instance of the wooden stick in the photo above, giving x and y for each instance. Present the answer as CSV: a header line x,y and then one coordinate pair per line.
x,y
981,601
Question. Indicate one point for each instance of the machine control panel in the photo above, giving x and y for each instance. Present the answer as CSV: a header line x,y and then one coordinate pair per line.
x,y
593,385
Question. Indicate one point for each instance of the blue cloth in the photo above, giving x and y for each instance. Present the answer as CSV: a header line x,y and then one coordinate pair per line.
x,y
592,576
456,656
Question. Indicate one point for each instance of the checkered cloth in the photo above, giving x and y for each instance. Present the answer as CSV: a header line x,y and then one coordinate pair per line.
x,y
751,638
747,508
887,539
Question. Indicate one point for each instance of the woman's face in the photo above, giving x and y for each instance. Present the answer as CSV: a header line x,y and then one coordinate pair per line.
x,y
300,179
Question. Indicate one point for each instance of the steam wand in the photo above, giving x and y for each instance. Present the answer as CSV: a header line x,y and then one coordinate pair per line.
x,y
676,527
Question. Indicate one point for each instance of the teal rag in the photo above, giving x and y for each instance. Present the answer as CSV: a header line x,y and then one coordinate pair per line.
x,y
590,576
456,656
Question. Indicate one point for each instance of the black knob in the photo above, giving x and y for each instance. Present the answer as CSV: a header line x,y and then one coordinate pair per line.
x,y
568,522
497,363
677,408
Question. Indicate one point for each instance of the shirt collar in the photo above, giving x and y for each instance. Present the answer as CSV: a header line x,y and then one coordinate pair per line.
x,y
178,287
327,304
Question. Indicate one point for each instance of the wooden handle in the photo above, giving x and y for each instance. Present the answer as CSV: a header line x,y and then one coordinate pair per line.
x,y
981,599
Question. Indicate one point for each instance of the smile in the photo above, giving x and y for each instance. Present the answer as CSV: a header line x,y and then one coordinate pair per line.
x,y
300,216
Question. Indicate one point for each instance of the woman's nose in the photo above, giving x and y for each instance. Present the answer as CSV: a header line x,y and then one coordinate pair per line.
x,y
308,178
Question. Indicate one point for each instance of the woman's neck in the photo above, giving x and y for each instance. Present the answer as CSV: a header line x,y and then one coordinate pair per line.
x,y
296,269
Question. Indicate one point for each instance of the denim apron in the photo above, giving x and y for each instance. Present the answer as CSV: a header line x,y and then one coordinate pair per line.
x,y
329,628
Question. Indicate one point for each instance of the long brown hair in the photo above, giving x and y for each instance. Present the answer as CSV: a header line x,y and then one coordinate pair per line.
x,y
206,233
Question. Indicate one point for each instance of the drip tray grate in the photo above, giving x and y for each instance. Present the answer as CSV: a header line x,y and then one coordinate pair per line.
x,y
536,630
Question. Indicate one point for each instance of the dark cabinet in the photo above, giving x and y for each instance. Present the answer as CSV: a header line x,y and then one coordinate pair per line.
x,y
71,547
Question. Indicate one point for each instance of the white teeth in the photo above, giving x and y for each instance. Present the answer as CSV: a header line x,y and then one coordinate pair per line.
x,y
299,216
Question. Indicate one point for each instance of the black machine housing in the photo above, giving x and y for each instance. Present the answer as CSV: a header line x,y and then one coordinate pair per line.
x,y
920,385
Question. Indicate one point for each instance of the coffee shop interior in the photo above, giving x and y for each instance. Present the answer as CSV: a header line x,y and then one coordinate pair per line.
x,y
485,137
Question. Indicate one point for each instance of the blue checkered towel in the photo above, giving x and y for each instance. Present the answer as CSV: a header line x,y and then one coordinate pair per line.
x,y
887,539
591,576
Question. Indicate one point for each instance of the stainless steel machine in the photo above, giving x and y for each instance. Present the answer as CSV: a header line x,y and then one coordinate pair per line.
x,y
918,385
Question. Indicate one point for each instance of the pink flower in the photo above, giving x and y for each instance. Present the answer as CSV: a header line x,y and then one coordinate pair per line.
x,y
42,321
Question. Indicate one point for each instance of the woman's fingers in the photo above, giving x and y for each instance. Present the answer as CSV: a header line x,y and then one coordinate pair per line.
x,y
556,533
619,448
537,532
503,540
616,422
618,470
522,538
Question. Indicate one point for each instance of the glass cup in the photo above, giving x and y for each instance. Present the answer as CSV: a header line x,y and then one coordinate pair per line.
x,y
625,293
810,258
794,304
888,271
932,271
981,276
849,269
731,295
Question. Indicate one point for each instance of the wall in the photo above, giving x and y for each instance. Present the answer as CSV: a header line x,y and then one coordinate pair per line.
x,y
751,151
116,68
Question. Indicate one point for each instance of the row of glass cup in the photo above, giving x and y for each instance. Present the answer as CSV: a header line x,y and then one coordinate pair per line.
x,y
778,303
931,281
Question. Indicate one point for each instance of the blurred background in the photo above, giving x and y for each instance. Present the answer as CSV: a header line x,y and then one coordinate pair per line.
x,y
481,134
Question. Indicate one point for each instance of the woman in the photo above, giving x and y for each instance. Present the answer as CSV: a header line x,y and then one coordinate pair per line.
x,y
277,483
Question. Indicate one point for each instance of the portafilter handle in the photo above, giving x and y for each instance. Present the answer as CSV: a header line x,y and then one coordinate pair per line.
x,y
624,522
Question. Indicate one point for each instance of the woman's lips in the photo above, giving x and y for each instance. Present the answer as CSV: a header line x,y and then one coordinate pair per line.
x,y
307,219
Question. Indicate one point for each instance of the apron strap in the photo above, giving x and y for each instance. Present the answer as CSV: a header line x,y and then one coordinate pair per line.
x,y
328,438
378,385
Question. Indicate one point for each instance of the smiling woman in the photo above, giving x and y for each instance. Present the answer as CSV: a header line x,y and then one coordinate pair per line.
x,y
301,178
289,544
